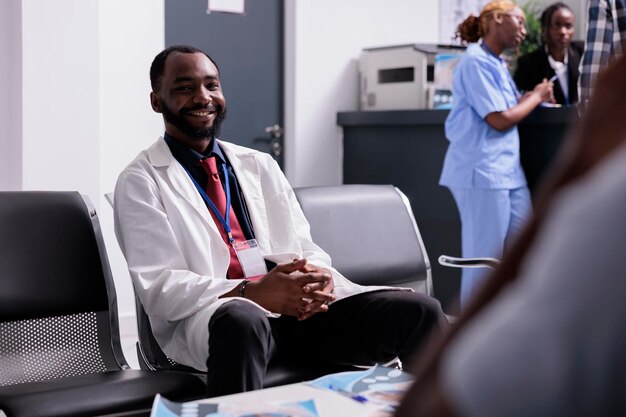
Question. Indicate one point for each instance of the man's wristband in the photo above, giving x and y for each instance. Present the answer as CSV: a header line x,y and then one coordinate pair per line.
x,y
242,288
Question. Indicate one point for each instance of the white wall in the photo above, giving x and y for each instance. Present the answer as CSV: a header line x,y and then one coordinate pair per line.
x,y
60,95
322,76
130,34
79,110
10,95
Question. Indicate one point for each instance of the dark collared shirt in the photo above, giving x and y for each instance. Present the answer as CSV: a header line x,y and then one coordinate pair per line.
x,y
189,159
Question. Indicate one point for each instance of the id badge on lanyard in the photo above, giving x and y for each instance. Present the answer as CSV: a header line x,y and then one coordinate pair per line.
x,y
248,251
250,258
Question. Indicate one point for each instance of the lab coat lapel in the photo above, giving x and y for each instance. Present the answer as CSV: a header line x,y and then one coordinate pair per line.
x,y
171,172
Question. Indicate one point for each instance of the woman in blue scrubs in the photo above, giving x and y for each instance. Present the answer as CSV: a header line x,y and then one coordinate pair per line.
x,y
482,164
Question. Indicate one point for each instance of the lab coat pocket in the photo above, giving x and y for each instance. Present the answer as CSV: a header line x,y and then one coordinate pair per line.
x,y
281,225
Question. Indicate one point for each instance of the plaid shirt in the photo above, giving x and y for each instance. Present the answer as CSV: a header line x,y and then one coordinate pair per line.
x,y
606,30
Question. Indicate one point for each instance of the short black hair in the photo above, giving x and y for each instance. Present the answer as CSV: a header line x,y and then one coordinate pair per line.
x,y
158,63
546,18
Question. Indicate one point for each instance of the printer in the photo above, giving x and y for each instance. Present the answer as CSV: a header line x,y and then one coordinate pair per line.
x,y
404,77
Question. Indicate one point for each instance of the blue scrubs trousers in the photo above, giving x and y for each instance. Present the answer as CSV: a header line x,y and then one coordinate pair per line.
x,y
490,220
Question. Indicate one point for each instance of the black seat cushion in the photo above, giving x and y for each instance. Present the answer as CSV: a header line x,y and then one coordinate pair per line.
x,y
96,394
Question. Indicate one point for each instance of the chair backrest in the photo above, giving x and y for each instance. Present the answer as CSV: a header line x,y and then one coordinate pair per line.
x,y
370,233
58,312
149,353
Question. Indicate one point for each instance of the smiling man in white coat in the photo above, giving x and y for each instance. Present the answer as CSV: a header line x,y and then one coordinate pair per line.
x,y
202,221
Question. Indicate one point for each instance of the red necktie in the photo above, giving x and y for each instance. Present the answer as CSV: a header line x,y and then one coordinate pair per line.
x,y
215,191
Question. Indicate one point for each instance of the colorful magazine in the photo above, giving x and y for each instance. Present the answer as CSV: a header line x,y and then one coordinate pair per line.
x,y
381,386
163,407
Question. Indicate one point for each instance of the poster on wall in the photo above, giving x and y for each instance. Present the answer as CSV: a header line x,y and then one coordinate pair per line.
x,y
452,13
226,6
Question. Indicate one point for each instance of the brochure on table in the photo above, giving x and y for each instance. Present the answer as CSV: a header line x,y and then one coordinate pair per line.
x,y
163,407
379,386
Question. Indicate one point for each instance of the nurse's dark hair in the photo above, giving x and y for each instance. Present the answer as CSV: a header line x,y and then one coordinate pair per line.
x,y
546,18
475,27
158,63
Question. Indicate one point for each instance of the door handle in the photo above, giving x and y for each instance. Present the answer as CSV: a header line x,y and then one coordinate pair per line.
x,y
275,131
275,134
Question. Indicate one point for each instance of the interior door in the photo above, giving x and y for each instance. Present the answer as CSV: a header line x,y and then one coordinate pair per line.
x,y
248,49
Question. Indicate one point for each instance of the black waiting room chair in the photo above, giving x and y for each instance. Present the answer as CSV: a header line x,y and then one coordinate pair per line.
x,y
369,232
60,352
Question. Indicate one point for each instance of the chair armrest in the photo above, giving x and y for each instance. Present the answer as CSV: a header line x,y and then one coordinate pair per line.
x,y
454,262
144,363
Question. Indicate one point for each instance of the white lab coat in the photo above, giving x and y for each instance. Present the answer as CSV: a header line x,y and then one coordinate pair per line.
x,y
175,253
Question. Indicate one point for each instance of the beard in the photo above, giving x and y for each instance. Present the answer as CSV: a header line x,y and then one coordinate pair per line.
x,y
181,124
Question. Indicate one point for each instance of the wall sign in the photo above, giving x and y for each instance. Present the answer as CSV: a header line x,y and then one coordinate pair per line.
x,y
226,6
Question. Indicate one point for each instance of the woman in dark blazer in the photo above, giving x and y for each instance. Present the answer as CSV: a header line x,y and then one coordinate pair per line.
x,y
556,52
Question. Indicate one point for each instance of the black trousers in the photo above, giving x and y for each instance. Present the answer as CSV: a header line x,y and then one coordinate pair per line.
x,y
364,329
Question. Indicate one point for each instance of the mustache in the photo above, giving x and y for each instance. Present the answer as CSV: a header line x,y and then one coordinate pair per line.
x,y
210,107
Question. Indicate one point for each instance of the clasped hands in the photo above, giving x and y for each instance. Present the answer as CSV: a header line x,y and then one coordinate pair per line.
x,y
296,289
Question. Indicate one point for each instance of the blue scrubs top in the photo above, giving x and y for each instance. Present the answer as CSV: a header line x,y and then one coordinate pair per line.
x,y
478,155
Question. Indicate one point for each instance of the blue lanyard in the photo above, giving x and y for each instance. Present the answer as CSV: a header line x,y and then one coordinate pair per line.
x,y
224,220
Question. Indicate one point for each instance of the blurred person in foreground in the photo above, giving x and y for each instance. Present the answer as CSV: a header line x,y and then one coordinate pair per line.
x,y
545,336
482,165
556,56
606,33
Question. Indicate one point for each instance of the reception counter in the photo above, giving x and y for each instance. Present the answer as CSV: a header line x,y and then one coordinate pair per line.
x,y
406,149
